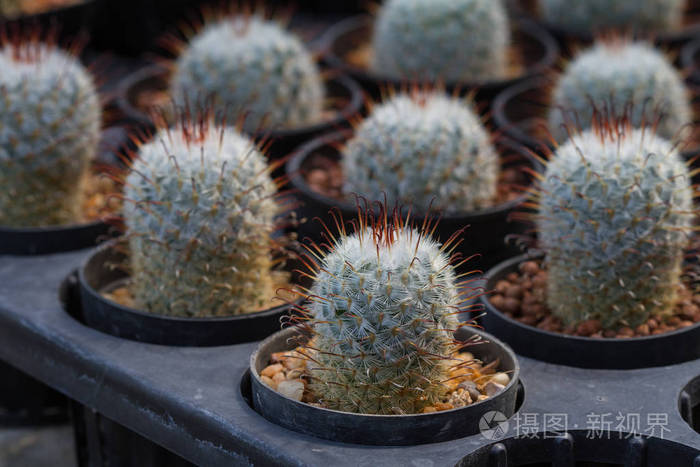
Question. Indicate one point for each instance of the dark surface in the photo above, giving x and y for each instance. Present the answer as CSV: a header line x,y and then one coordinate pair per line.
x,y
189,399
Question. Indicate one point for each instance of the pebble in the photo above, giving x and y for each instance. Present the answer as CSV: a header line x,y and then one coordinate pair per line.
x,y
492,388
470,387
271,370
293,389
501,378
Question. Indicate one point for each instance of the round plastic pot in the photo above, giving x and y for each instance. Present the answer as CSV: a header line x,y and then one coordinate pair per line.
x,y
97,275
487,228
539,52
25,401
387,430
281,142
585,352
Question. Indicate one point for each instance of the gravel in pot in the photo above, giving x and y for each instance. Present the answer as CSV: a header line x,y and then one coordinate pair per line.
x,y
348,48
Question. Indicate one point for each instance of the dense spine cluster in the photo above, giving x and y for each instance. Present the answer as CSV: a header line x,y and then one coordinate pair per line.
x,y
49,132
624,78
200,214
424,149
450,40
382,310
615,210
246,66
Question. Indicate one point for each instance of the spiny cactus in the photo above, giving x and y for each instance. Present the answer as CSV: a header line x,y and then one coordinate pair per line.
x,y
626,78
423,148
200,214
382,311
49,132
587,16
245,65
615,210
450,40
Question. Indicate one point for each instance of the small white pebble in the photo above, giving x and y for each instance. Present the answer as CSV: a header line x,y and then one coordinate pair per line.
x,y
501,378
292,389
492,388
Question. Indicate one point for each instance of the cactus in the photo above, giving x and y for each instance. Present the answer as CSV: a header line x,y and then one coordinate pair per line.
x,y
382,311
423,148
449,40
245,65
626,78
50,129
615,210
200,216
589,16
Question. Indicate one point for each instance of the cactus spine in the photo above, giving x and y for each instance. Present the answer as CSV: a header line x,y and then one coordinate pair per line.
x,y
425,149
49,131
631,79
200,217
248,66
450,40
382,310
615,209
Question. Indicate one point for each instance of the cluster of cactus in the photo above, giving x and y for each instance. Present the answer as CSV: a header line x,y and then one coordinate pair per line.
x,y
449,40
200,215
615,210
382,311
50,129
630,15
624,78
246,66
425,149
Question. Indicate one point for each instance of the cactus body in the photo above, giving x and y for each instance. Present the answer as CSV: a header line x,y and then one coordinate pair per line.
x,y
245,65
383,307
451,40
632,79
615,212
199,217
420,149
49,131
587,16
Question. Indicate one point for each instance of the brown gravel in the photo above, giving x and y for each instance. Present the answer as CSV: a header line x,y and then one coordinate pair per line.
x,y
98,200
470,382
522,295
325,175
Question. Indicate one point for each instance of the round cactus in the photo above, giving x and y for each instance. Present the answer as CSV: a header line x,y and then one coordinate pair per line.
x,y
615,210
247,66
200,215
425,149
49,132
382,311
594,15
631,79
450,40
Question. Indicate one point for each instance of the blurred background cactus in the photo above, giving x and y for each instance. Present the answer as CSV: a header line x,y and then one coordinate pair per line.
x,y
246,66
615,211
624,78
382,310
588,16
200,213
447,40
49,132
425,149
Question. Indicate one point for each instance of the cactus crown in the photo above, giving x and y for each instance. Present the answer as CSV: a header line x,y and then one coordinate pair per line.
x,y
628,78
425,149
615,211
450,40
382,311
596,15
248,66
200,217
50,131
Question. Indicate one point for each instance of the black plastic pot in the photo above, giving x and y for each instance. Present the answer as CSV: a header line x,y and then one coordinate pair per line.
x,y
26,401
578,448
538,50
343,91
677,346
488,228
386,430
96,275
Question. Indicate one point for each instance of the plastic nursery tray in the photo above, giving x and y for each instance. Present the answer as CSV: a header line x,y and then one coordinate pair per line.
x,y
194,401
